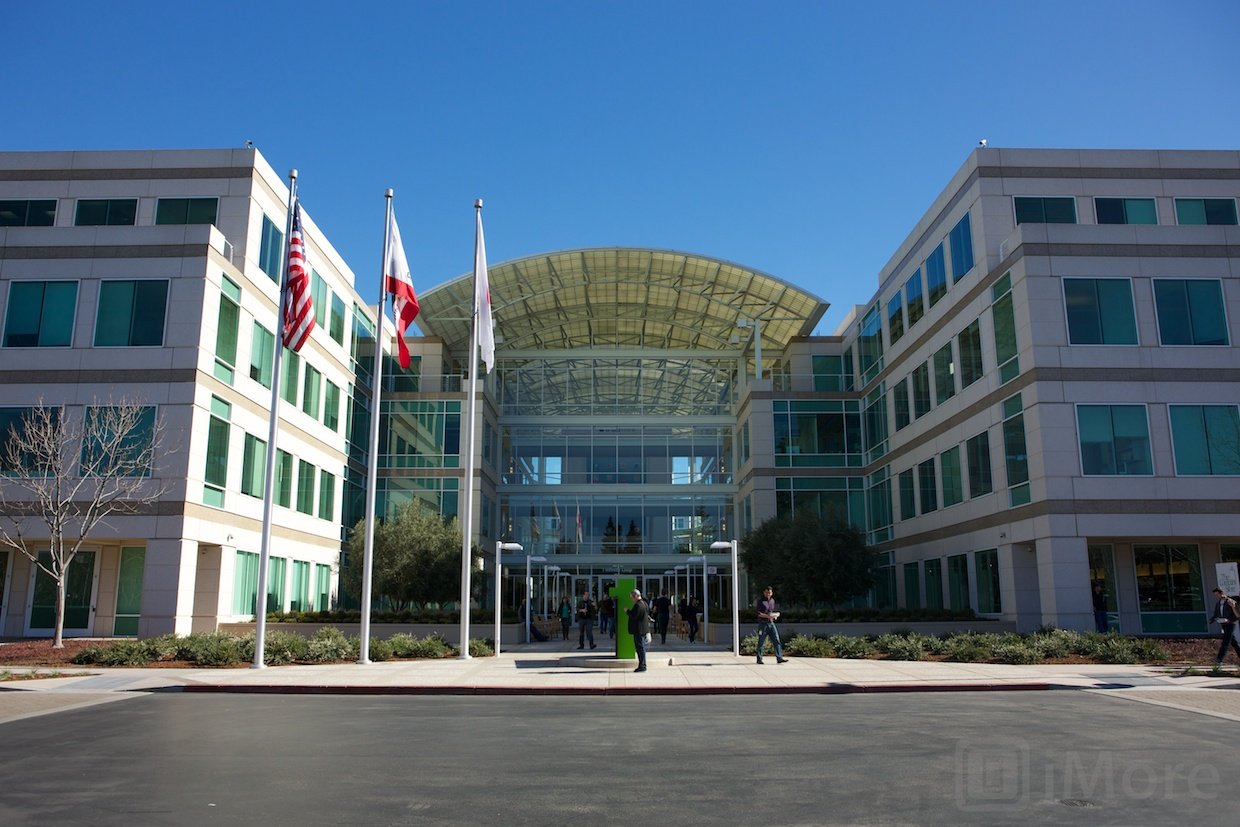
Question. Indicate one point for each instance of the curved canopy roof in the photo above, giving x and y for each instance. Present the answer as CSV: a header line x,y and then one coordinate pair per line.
x,y
622,297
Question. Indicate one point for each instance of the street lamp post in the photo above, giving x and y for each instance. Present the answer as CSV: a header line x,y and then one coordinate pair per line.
x,y
500,548
529,589
736,608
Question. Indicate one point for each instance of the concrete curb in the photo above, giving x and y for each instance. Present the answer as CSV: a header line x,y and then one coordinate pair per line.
x,y
828,689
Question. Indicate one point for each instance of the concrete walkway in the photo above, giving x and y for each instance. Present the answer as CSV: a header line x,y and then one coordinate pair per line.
x,y
556,667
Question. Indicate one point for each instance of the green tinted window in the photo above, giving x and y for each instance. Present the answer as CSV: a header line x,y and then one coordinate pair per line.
x,y
284,478
253,466
1040,210
921,390
969,344
335,327
262,354
305,486
1206,439
186,210
1205,211
116,212
40,314
908,495
944,374
271,249
1126,211
311,390
1100,311
949,469
327,495
131,313
936,275
1115,440
1190,312
28,213
977,453
914,299
331,406
927,487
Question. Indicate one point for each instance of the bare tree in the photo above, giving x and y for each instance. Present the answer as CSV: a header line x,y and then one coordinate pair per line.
x,y
71,470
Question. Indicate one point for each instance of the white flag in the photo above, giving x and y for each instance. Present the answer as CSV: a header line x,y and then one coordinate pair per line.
x,y
482,299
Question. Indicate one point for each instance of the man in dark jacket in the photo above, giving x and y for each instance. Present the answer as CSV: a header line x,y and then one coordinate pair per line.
x,y
767,615
586,614
1225,615
662,615
639,627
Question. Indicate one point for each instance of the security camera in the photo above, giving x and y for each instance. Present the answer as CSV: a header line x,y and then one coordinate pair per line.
x,y
983,143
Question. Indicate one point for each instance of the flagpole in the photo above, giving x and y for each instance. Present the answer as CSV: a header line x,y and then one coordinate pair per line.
x,y
264,555
372,461
467,488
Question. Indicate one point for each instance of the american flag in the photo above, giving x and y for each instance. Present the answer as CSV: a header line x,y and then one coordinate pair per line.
x,y
298,307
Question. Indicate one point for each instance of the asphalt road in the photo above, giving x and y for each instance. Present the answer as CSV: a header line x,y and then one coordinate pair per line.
x,y
961,759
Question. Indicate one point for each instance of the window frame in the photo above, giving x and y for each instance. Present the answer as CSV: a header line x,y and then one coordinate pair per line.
x,y
1076,214
107,219
1098,309
1149,445
1158,314
99,309
1124,200
8,304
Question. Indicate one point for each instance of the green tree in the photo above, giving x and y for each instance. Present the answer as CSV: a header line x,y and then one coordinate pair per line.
x,y
417,559
809,559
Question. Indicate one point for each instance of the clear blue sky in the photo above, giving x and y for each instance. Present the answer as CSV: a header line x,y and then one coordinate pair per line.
x,y
802,139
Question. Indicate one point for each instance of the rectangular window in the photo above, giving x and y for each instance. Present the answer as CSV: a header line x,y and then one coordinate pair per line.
x,y
986,566
1016,459
895,319
1168,578
310,392
117,441
32,213
253,466
913,298
331,405
870,345
1125,211
305,486
277,570
299,597
245,583
1041,210
936,275
949,469
335,326
109,212
322,587
908,495
958,582
226,327
40,314
875,424
944,374
961,242
912,586
131,313
284,479
934,584
832,373
899,400
1205,211
977,454
262,355
292,373
1003,317
921,390
216,474
318,296
186,210
927,488
969,345
1100,311
271,249
1115,440
1206,439
1191,312
327,495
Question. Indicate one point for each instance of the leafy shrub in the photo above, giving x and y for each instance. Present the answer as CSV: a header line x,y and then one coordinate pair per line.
x,y
850,647
1055,643
1147,650
214,649
284,647
122,653
380,649
1116,650
902,648
408,646
969,647
480,649
1016,652
329,645
809,647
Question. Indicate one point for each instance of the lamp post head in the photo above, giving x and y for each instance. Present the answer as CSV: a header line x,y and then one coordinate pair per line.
x,y
721,545
538,559
517,547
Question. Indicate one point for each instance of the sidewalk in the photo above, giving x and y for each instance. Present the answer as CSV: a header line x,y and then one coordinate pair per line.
x,y
559,668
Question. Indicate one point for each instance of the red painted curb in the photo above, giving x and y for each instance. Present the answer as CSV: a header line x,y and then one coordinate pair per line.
x,y
827,689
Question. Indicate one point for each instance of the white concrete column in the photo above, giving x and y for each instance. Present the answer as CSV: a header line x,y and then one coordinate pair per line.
x,y
168,587
1063,582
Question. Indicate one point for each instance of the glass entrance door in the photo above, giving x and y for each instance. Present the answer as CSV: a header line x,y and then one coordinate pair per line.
x,y
79,595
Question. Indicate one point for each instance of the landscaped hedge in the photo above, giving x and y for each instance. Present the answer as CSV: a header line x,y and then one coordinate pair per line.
x,y
974,647
328,645
863,614
407,616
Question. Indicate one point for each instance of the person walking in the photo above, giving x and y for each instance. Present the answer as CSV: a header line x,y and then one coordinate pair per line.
x,y
688,613
662,615
767,615
565,613
587,613
639,627
1225,614
607,615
